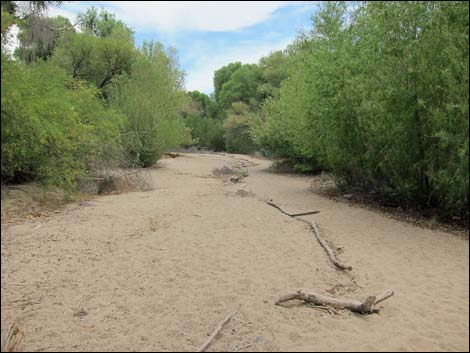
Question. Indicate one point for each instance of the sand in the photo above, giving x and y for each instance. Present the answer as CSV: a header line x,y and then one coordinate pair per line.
x,y
158,270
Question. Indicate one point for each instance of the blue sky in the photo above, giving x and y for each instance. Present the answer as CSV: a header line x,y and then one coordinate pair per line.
x,y
208,35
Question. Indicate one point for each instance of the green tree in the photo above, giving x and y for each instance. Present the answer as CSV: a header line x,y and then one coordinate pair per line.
x,y
242,86
238,137
274,71
53,128
98,60
206,130
377,93
103,24
151,99
222,75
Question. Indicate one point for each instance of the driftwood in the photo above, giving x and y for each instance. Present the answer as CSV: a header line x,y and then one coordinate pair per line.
x,y
325,246
365,307
271,203
214,334
13,339
316,231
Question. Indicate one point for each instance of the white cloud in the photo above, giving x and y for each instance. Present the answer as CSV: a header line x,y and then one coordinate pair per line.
x,y
57,11
200,77
171,16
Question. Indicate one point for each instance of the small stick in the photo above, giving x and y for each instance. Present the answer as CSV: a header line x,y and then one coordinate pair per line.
x,y
325,246
242,347
383,296
271,203
304,213
13,339
214,334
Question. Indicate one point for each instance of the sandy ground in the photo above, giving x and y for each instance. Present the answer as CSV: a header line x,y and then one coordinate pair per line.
x,y
158,270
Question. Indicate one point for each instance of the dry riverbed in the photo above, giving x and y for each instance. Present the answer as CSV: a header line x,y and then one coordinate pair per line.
x,y
158,270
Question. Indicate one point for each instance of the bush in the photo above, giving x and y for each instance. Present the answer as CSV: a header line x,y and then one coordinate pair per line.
x,y
53,128
238,137
381,101
151,100
206,132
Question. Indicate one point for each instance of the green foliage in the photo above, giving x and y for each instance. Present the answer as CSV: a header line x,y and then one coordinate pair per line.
x,y
103,24
98,60
222,75
151,99
237,127
206,132
97,102
199,115
103,51
242,86
378,94
52,127
7,22
273,72
239,86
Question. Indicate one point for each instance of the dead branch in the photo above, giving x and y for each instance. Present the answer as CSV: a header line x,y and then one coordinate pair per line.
x,y
325,245
383,296
304,213
271,203
13,339
214,334
328,309
316,231
365,307
242,347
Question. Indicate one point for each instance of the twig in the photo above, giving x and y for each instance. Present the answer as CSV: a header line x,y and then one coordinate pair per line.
x,y
242,347
214,334
271,203
13,339
304,213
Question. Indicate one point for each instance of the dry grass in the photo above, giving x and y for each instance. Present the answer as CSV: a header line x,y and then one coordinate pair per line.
x,y
117,181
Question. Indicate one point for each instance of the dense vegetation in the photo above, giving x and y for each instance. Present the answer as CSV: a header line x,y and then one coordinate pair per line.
x,y
378,94
76,101
375,93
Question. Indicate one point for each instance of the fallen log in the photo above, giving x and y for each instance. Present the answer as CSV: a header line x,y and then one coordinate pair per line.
x,y
365,307
214,334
